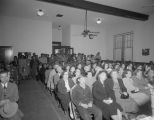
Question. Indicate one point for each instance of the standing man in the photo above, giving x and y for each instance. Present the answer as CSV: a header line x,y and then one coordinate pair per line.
x,y
82,98
8,94
50,81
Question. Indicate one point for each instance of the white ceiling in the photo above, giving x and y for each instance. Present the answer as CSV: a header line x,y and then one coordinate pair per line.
x,y
27,9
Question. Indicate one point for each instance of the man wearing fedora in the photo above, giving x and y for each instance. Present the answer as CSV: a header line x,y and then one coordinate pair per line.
x,y
8,98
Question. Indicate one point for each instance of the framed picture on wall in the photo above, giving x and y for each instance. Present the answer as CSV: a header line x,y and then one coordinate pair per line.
x,y
145,52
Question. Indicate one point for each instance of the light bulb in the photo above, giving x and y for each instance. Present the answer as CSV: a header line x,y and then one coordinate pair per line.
x,y
40,12
59,27
99,21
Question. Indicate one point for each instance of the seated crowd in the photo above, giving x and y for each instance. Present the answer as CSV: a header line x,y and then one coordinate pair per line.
x,y
109,90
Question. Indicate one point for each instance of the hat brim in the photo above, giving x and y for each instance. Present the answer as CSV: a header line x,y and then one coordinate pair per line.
x,y
13,109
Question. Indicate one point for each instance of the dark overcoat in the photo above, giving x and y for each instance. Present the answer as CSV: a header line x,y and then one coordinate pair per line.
x,y
62,93
103,92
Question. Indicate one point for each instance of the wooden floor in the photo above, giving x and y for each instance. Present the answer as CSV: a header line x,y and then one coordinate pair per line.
x,y
36,102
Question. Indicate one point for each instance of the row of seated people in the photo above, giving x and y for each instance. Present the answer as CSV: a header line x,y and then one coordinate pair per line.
x,y
114,89
147,72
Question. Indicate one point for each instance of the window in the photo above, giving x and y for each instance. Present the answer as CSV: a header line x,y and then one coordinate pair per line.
x,y
128,40
123,46
118,42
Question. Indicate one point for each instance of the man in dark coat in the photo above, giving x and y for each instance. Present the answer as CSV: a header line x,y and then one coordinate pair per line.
x,y
63,90
82,98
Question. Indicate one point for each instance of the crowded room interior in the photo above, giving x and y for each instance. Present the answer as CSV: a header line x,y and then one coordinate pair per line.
x,y
76,60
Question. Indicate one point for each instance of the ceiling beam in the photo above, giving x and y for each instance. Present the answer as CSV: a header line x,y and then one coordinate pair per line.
x,y
91,6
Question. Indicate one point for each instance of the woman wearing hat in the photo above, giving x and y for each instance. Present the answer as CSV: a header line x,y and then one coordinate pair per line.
x,y
8,98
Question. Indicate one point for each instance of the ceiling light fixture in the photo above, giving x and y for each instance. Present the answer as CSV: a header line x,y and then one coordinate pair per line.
x,y
59,15
99,21
40,12
59,27
87,32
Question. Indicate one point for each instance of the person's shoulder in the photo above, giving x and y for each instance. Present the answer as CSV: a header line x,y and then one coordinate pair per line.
x,y
75,87
108,82
47,70
133,77
70,80
87,87
95,83
12,84
55,75
61,81
93,79
52,71
120,81
124,79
